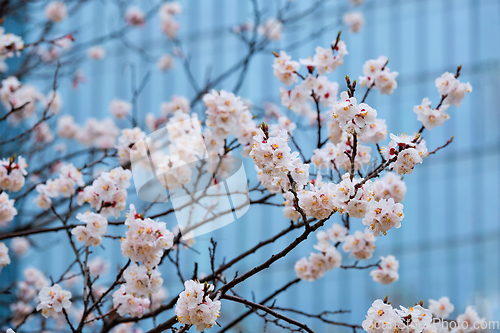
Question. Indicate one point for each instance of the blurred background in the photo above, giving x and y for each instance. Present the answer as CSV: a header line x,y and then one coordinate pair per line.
x,y
449,242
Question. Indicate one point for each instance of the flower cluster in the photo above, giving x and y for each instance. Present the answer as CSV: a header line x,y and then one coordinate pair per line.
x,y
127,303
383,215
332,156
145,239
120,108
98,133
228,114
354,21
387,272
390,186
431,117
285,69
10,44
126,149
66,127
20,245
49,54
353,118
91,234
378,76
4,256
142,281
12,173
360,244
53,300
319,263
448,85
21,97
375,132
407,152
195,307
64,185
108,193
167,12
324,60
382,317
7,209
56,11
176,103
272,156
271,29
27,290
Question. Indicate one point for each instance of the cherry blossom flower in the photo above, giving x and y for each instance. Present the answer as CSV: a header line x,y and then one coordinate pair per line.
x,y
135,16
285,68
441,308
165,62
145,239
353,118
20,245
431,117
378,76
53,300
390,186
272,29
4,256
360,244
454,90
384,215
120,108
96,53
354,21
7,209
195,307
56,11
126,303
66,127
387,273
91,234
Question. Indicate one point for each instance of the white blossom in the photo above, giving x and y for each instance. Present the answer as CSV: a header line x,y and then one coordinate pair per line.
x,y
96,53
354,21
92,233
20,245
10,45
53,300
285,68
165,62
390,186
360,244
431,117
441,308
383,215
353,118
7,209
272,29
126,303
454,90
4,256
195,307
387,272
120,108
378,76
145,239
56,11
66,127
